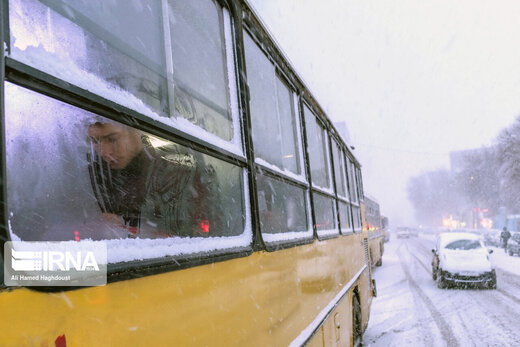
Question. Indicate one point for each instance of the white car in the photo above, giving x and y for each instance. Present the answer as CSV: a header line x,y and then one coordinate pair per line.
x,y
462,259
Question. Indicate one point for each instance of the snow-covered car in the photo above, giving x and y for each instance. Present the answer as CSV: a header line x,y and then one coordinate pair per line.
x,y
462,259
513,245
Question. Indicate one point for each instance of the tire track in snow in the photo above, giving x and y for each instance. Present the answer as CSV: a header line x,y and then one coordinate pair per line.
x,y
499,311
463,324
506,294
444,328
482,297
511,280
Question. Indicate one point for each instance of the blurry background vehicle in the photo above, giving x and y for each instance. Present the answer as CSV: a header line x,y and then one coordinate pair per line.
x,y
403,232
376,230
386,230
513,245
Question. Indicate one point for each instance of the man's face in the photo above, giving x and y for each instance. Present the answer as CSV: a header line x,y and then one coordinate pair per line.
x,y
116,144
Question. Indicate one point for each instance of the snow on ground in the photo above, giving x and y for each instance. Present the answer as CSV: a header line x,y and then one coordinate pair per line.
x,y
411,311
505,262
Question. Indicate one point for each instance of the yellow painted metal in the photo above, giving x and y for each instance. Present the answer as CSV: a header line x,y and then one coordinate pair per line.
x,y
264,299
317,339
376,249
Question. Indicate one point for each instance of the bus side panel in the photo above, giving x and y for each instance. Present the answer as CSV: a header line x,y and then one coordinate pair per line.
x,y
365,293
376,249
338,327
268,298
318,339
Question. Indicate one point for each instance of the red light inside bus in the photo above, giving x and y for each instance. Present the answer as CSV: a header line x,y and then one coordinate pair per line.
x,y
205,226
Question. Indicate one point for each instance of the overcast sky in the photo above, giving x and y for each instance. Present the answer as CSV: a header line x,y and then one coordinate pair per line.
x,y
412,79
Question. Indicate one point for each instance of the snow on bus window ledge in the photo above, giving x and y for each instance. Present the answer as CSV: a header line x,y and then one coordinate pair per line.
x,y
347,231
322,190
328,232
66,70
285,172
122,250
287,236
343,199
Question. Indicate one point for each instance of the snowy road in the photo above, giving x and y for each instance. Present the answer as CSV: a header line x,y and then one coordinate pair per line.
x,y
411,311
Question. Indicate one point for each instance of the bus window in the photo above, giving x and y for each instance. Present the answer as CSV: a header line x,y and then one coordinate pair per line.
x,y
161,58
339,169
325,213
283,210
116,41
199,65
356,216
359,181
273,113
318,149
353,190
344,217
73,174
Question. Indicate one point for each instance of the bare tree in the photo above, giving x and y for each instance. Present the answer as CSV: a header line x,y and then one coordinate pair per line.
x,y
508,162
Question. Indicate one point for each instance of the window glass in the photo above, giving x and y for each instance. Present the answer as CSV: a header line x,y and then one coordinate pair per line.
x,y
71,173
324,211
146,55
356,216
344,217
199,65
272,110
352,182
339,169
317,149
359,183
464,245
282,207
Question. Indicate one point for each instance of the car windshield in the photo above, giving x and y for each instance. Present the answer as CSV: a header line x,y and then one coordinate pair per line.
x,y
463,245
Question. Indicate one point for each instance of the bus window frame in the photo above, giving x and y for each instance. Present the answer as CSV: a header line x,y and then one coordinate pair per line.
x,y
294,106
191,131
273,56
35,80
344,199
311,104
327,152
322,236
168,263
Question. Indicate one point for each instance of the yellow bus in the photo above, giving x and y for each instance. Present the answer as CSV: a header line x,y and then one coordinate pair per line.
x,y
176,134
376,231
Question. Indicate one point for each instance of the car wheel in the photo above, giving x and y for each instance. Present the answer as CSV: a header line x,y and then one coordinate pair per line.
x,y
356,322
380,261
493,283
441,283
